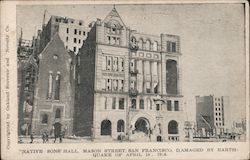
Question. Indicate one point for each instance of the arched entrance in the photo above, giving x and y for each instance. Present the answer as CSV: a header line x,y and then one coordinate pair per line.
x,y
57,127
106,127
173,127
142,125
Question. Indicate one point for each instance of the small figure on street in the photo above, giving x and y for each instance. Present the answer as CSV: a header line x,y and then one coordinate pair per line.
x,y
44,137
60,137
31,137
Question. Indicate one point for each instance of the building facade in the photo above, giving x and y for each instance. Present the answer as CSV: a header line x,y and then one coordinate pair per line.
x,y
72,32
128,84
213,115
54,91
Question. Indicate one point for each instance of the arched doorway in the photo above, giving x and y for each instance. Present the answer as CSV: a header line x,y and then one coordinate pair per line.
x,y
57,127
106,127
173,127
142,125
159,139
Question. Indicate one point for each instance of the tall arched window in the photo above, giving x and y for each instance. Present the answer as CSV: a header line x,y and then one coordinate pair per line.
x,y
141,104
50,86
58,113
106,127
171,77
147,45
155,46
140,44
57,86
120,126
133,103
44,119
149,104
173,127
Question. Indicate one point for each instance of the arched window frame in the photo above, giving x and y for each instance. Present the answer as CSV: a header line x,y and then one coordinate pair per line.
x,y
58,113
173,127
120,125
141,103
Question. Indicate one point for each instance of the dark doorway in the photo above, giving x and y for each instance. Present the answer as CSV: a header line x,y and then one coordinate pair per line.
x,y
57,127
159,139
106,127
141,125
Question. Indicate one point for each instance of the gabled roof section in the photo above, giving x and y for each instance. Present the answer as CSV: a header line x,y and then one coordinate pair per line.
x,y
54,44
114,15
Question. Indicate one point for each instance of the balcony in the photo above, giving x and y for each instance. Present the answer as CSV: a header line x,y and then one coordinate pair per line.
x,y
133,93
133,47
134,72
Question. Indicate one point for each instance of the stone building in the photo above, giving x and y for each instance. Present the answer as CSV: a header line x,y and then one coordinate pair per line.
x,y
213,115
72,32
128,84
54,91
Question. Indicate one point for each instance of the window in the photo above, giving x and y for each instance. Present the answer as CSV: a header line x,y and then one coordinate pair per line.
x,y
67,39
84,33
148,87
105,102
66,47
117,41
108,39
44,119
58,113
79,41
173,127
108,30
115,64
120,85
113,102
50,83
80,23
74,40
80,32
155,46
148,45
176,105
74,49
141,104
57,87
106,127
120,126
109,84
133,103
78,79
171,46
109,61
75,31
157,107
78,60
115,85
216,119
55,57
67,30
140,44
121,103
149,104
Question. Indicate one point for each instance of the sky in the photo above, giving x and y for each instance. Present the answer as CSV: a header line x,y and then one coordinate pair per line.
x,y
211,35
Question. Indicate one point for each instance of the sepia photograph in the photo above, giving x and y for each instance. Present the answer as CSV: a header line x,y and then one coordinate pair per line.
x,y
157,74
